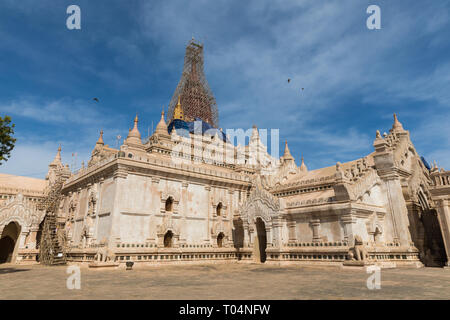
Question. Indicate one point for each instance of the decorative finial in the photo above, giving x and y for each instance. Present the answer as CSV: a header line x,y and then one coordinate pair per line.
x,y
303,166
100,139
378,135
287,153
397,125
178,111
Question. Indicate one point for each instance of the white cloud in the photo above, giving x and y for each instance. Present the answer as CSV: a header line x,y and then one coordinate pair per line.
x,y
32,159
62,110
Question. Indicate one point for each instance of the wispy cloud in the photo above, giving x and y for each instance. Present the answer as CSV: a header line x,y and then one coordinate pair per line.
x,y
353,78
64,110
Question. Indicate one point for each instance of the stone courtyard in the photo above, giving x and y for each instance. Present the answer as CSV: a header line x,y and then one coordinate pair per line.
x,y
223,281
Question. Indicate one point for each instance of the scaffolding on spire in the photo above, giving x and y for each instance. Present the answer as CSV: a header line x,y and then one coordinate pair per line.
x,y
196,97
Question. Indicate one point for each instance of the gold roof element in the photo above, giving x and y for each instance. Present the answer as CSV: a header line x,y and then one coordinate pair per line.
x,y
178,112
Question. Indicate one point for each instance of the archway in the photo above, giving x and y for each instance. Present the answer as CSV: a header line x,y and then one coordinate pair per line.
x,y
260,240
169,204
377,235
434,249
219,209
220,240
168,239
8,241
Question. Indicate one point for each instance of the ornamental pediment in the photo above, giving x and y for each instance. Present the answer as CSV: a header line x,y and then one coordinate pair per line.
x,y
19,209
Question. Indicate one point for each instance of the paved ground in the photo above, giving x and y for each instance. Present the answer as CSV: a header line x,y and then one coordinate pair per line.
x,y
224,281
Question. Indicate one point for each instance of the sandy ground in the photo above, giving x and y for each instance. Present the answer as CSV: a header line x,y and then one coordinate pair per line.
x,y
222,281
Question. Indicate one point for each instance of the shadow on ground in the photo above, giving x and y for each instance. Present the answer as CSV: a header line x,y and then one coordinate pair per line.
x,y
11,270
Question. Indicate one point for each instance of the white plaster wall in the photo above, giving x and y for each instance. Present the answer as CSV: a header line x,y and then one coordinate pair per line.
x,y
331,229
360,228
104,227
104,210
134,228
304,231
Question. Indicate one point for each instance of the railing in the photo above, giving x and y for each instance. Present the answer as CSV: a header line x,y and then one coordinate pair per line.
x,y
441,178
162,163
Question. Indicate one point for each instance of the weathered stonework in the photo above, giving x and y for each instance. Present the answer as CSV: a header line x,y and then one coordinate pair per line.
x,y
185,197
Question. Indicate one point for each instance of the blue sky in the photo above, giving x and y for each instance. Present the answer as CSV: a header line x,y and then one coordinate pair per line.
x,y
129,54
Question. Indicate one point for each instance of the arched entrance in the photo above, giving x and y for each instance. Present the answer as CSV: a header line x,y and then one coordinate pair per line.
x,y
260,240
377,235
168,239
220,240
169,204
434,255
8,241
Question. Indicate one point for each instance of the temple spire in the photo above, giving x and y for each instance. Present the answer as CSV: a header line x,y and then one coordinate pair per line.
x,y
287,153
57,160
100,138
303,165
161,128
197,98
134,136
397,126
178,112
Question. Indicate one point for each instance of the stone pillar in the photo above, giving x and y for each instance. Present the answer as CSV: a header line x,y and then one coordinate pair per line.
x,y
269,236
208,215
398,210
348,221
315,224
251,235
22,238
183,210
292,225
120,176
387,170
277,224
32,240
246,235
97,209
443,213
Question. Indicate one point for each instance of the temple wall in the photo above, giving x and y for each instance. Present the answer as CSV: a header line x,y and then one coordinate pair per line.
x,y
304,230
331,230
135,207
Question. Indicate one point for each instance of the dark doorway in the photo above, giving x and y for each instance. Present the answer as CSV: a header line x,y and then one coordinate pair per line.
x,y
220,240
434,255
238,233
8,242
261,238
169,204
219,209
6,249
168,239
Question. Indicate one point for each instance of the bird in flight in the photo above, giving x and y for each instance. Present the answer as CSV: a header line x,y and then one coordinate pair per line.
x,y
289,80
96,99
